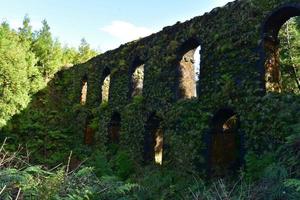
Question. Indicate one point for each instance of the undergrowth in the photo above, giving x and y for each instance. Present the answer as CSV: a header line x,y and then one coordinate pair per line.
x,y
119,179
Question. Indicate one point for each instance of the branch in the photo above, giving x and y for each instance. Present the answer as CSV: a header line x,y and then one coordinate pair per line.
x,y
2,189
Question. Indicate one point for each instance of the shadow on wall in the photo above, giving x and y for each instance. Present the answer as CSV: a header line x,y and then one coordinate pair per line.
x,y
52,122
89,133
114,127
224,144
153,141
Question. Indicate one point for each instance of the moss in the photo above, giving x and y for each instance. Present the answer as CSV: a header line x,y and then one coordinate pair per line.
x,y
231,75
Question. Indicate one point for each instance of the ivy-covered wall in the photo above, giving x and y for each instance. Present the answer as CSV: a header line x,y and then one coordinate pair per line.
x,y
231,76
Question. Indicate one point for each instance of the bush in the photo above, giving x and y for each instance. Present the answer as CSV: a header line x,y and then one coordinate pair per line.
x,y
123,165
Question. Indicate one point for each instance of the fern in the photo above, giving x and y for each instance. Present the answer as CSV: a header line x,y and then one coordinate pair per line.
x,y
293,183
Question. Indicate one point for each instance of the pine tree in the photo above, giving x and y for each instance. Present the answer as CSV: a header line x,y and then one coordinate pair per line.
x,y
25,32
28,60
15,66
26,38
48,52
69,56
85,52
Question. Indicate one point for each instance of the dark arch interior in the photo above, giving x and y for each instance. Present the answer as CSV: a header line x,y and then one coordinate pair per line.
x,y
153,140
114,128
224,143
105,85
271,45
84,87
221,117
89,133
188,45
105,73
187,83
136,75
278,18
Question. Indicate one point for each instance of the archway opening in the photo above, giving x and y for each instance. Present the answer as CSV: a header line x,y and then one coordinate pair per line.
x,y
289,55
105,80
114,127
84,88
281,45
224,143
189,69
153,141
89,133
136,78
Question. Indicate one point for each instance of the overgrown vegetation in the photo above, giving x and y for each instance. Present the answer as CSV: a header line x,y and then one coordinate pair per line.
x,y
113,180
28,60
289,37
53,163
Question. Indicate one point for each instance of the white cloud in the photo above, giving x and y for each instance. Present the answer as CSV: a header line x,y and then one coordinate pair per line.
x,y
125,31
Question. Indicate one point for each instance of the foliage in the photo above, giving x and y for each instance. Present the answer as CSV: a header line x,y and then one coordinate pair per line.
x,y
257,163
47,50
84,52
231,77
289,37
28,61
19,179
19,77
123,165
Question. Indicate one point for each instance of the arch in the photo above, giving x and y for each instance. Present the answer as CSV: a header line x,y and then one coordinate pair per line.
x,y
271,28
84,90
105,85
136,76
224,143
89,132
114,127
275,20
188,69
153,140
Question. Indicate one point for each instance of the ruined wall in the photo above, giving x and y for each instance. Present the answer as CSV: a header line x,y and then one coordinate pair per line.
x,y
187,83
232,76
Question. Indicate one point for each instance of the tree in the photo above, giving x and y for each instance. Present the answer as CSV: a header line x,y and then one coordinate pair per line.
x,y
25,32
290,55
48,52
69,56
84,52
15,66
28,60
26,38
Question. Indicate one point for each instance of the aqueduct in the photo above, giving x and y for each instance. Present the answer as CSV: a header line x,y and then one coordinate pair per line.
x,y
144,97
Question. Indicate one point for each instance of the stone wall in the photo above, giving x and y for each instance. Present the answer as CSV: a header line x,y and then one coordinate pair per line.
x,y
232,40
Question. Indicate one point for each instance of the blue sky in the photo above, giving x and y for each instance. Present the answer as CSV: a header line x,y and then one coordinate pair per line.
x,y
105,24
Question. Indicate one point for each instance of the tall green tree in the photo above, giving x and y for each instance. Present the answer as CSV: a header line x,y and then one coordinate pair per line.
x,y
26,35
48,52
28,60
69,56
84,52
25,32
290,55
16,64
